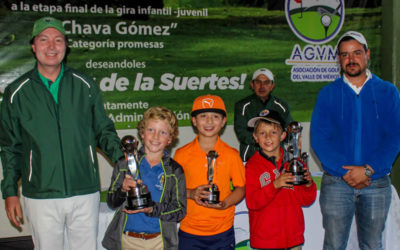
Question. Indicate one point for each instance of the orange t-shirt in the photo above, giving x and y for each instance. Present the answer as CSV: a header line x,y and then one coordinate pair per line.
x,y
200,220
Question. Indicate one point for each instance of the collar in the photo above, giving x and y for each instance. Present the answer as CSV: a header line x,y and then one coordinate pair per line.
x,y
272,159
353,87
47,82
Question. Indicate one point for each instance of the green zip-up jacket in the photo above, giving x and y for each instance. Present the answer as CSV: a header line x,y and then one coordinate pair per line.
x,y
248,108
170,209
51,146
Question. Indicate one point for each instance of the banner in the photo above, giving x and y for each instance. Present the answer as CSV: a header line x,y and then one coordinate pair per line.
x,y
148,53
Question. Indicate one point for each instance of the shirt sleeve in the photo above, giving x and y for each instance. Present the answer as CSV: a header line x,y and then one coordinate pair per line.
x,y
107,137
238,171
322,133
243,133
386,154
11,151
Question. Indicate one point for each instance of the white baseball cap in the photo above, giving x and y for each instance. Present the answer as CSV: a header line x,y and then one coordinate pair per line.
x,y
263,71
356,36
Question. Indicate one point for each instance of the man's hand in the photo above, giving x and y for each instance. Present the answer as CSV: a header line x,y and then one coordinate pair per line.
x,y
14,211
355,177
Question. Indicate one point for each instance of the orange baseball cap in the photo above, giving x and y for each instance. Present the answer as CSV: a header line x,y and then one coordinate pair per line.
x,y
208,103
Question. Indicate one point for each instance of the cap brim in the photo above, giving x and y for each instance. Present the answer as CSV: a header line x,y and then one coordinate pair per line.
x,y
252,122
219,111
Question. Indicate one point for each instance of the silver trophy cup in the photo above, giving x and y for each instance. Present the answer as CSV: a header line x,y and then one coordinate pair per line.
x,y
213,197
296,165
138,197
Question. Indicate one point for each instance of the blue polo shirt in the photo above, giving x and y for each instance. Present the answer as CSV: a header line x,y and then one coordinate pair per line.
x,y
154,179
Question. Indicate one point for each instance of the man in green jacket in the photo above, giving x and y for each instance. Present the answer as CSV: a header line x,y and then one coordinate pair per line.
x,y
51,121
262,84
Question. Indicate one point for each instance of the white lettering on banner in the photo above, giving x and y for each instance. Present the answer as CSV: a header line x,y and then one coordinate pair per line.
x,y
110,44
72,27
122,28
51,9
135,117
183,12
171,82
119,11
126,106
124,64
313,63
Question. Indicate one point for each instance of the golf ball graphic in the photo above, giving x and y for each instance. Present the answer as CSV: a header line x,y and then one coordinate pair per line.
x,y
326,20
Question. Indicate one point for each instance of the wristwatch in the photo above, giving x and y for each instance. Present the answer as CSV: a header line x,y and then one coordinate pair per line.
x,y
368,172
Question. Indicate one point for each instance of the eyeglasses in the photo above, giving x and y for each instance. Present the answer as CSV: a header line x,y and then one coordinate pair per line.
x,y
266,82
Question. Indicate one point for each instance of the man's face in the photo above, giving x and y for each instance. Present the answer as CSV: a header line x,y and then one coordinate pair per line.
x,y
262,87
353,58
49,47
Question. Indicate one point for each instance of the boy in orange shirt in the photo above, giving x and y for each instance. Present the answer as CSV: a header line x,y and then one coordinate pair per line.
x,y
206,225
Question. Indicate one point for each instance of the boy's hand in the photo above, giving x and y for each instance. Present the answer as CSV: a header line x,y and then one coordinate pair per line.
x,y
221,205
198,193
128,183
146,210
283,179
308,177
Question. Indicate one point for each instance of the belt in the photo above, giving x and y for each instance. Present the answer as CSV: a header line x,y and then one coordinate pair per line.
x,y
143,236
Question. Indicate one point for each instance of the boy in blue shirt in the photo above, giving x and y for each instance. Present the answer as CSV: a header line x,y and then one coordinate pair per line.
x,y
153,227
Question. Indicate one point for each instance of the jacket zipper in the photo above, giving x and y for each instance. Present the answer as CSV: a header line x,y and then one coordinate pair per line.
x,y
56,108
30,166
92,157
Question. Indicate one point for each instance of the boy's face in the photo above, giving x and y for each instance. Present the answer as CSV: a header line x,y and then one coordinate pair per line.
x,y
269,136
156,136
209,124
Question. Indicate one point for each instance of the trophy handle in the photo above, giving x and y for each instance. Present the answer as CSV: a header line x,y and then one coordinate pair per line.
x,y
211,156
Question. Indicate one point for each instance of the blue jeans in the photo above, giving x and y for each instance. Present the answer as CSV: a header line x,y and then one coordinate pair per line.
x,y
370,205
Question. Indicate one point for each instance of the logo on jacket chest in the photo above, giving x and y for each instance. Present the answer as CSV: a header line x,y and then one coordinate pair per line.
x,y
265,178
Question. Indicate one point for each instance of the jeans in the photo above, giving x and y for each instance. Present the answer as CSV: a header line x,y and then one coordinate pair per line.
x,y
370,205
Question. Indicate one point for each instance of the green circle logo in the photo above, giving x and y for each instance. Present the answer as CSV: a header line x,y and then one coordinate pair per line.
x,y
315,21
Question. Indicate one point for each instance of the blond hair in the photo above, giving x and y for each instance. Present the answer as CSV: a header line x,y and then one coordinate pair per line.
x,y
163,114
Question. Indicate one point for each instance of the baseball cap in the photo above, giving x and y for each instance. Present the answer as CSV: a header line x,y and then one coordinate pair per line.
x,y
268,115
356,36
208,103
263,71
47,22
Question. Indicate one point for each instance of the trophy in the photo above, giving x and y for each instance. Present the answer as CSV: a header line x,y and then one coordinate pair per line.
x,y
138,197
213,197
296,165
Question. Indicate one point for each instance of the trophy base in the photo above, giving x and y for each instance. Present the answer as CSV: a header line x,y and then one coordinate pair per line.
x,y
136,203
296,183
213,198
299,179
